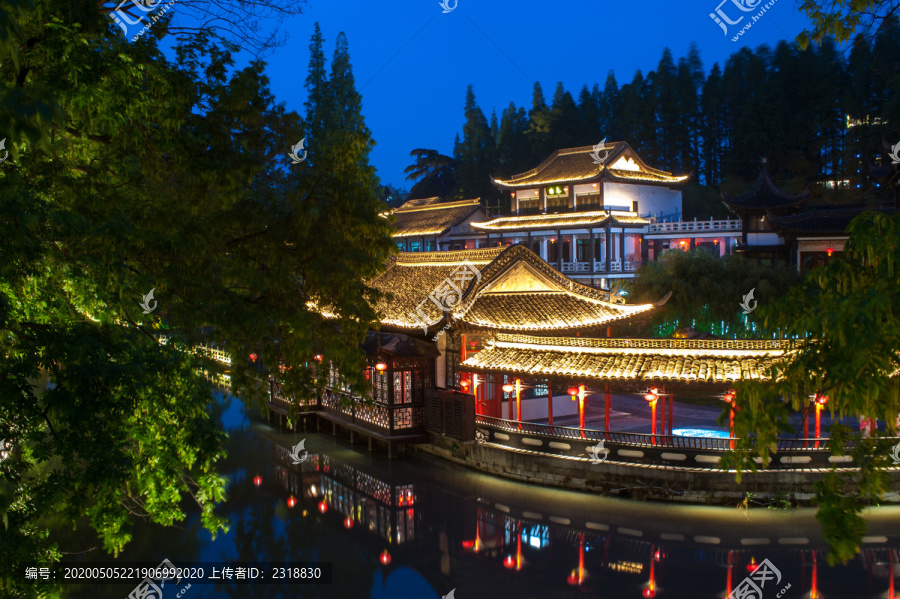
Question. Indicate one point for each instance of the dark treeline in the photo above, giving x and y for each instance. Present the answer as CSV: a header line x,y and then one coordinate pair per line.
x,y
789,105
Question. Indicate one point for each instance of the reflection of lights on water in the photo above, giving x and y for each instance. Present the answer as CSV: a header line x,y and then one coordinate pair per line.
x,y
312,490
535,542
700,432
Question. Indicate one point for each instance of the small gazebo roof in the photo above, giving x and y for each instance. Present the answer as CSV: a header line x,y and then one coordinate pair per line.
x,y
636,360
763,196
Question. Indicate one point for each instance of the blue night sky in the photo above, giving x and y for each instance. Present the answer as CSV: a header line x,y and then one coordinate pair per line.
x,y
412,63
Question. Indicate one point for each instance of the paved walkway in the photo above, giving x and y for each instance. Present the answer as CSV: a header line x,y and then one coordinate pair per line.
x,y
631,414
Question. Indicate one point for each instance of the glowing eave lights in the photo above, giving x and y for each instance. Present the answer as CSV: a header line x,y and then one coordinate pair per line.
x,y
697,352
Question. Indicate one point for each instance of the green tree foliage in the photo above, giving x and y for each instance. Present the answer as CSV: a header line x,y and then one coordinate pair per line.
x,y
129,172
475,155
842,19
707,292
434,173
847,320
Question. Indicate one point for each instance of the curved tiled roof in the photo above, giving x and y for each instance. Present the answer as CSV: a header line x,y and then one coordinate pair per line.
x,y
832,221
763,196
431,216
503,288
578,165
681,360
565,220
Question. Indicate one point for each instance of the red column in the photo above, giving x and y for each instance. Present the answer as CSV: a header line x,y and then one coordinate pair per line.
x,y
581,405
606,402
550,402
519,403
462,348
653,421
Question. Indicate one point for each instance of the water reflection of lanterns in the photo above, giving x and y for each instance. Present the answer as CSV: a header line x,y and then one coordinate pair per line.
x,y
323,507
752,565
468,544
257,480
291,502
509,562
573,577
348,522
385,558
649,590
576,577
651,398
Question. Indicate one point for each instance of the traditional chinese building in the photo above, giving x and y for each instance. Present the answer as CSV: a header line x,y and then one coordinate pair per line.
x,y
428,225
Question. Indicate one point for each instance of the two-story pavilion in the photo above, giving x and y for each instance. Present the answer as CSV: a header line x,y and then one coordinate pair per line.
x,y
585,210
430,224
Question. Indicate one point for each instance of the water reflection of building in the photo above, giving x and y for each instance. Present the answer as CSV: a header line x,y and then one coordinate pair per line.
x,y
452,534
390,511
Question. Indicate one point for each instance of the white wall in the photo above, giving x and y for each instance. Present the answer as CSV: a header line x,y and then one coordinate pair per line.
x,y
653,200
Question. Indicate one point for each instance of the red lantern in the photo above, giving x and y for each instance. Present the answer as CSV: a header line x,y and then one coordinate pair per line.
x,y
348,522
508,388
573,577
651,397
253,357
291,502
649,593
752,565
464,384
318,357
257,480
385,558
821,399
468,544
573,390
729,397
381,367
829,251
323,507
509,562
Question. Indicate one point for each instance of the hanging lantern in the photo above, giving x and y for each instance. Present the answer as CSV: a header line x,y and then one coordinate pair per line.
x,y
821,399
253,358
509,562
573,391
318,357
464,384
323,507
385,558
651,396
649,593
380,366
829,251
508,388
729,397
348,522
257,480
291,502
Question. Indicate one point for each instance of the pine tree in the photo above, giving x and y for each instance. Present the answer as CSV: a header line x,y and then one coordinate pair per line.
x,y
318,104
475,154
538,133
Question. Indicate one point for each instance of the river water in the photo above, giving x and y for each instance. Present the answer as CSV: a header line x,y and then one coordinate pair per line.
x,y
423,528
